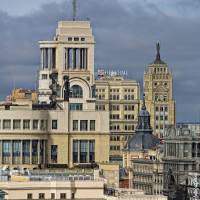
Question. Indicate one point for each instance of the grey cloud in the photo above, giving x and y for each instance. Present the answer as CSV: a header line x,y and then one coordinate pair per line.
x,y
125,36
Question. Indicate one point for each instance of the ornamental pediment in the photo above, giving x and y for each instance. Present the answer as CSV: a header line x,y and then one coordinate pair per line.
x,y
161,88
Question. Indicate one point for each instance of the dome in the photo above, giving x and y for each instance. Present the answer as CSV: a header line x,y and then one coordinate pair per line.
x,y
143,138
139,142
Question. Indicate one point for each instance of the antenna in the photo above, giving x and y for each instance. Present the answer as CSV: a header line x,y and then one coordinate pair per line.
x,y
74,10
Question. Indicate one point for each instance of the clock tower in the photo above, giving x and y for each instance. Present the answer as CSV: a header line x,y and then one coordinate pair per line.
x,y
158,90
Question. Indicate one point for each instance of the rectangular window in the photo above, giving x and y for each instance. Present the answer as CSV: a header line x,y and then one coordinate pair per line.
x,y
6,124
76,106
76,39
34,151
114,116
83,125
54,153
54,124
6,148
16,149
92,125
157,118
75,151
53,196
129,107
83,151
186,167
26,152
43,124
185,150
16,124
114,107
100,107
44,76
28,95
62,195
75,125
91,151
41,196
157,127
29,196
35,124
26,124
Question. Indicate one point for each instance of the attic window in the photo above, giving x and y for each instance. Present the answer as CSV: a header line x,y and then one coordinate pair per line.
x,y
76,39
82,39
7,107
69,38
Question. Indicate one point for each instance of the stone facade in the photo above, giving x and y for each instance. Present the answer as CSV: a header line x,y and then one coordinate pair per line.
x,y
52,137
121,98
147,175
53,189
181,154
71,53
158,89
64,129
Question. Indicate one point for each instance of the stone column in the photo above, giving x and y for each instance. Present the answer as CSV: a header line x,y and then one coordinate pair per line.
x,y
74,58
83,58
86,58
42,58
49,58
65,58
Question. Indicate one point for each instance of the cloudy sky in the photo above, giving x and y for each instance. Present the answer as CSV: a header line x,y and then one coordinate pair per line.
x,y
125,31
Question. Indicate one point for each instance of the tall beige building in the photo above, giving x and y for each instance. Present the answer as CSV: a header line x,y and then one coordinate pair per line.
x,y
71,53
158,90
121,98
68,132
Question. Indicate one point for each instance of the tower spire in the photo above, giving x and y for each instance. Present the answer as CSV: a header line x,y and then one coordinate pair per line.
x,y
158,51
74,10
143,103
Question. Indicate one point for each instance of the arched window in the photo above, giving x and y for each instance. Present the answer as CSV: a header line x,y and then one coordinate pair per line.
x,y
76,92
